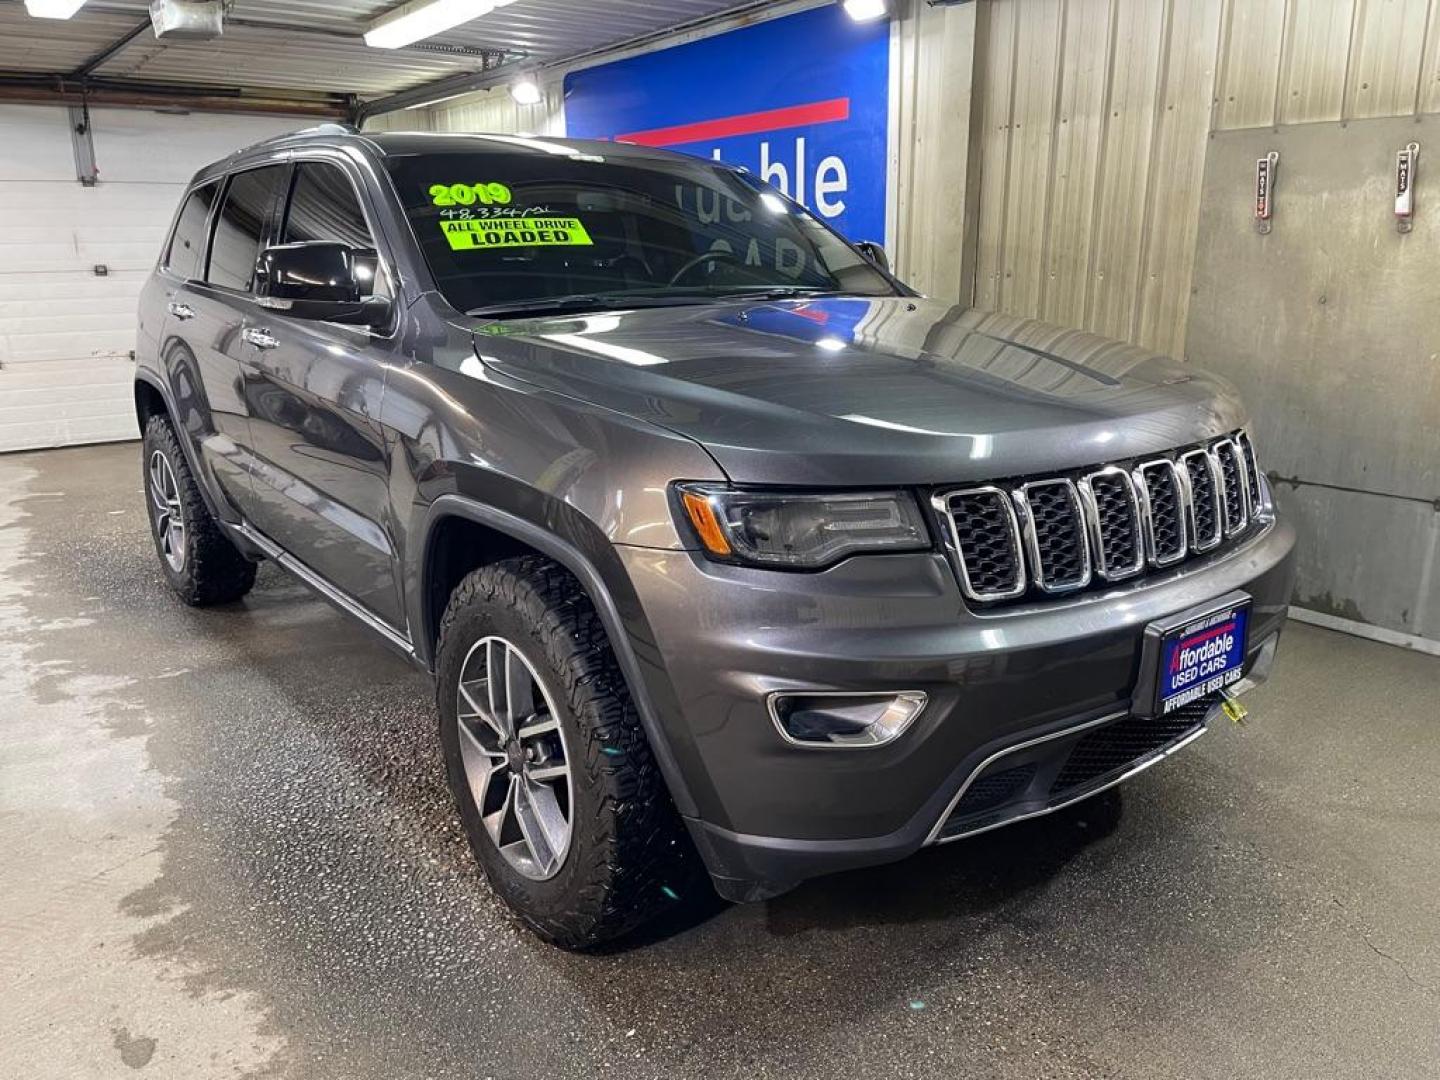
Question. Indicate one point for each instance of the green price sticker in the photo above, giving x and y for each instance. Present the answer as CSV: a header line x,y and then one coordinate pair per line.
x,y
492,194
489,233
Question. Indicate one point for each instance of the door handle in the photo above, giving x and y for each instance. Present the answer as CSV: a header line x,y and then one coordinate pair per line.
x,y
261,339
181,311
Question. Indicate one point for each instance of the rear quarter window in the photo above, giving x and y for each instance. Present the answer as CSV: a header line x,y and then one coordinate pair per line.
x,y
185,255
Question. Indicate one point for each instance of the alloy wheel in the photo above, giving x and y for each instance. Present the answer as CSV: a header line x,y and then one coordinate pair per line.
x,y
515,758
169,515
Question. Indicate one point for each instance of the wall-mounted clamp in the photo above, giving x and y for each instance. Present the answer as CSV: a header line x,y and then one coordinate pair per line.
x,y
1265,169
1405,163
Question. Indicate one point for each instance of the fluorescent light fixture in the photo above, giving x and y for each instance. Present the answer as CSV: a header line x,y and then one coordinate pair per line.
x,y
864,10
425,18
526,91
53,9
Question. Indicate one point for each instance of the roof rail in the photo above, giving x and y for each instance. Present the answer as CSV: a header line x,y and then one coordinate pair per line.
x,y
318,129
329,128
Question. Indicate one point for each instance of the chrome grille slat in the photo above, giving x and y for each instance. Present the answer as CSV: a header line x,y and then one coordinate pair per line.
x,y
1235,498
986,538
1054,529
1058,534
1113,511
1163,496
1203,496
1252,470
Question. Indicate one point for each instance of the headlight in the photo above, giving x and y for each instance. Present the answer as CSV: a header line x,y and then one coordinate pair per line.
x,y
800,531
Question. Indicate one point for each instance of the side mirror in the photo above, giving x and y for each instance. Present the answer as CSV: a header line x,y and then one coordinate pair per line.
x,y
875,253
321,281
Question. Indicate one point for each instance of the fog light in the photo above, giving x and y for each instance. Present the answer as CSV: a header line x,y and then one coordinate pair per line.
x,y
838,719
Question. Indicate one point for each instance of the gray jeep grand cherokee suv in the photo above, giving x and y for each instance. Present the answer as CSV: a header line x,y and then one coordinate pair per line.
x,y
729,553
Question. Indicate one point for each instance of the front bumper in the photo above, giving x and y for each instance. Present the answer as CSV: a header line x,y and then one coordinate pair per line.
x,y
772,814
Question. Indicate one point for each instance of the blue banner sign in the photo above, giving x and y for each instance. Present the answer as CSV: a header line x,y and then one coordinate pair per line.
x,y
800,100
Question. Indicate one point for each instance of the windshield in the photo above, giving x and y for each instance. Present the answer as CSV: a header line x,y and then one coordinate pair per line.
x,y
511,231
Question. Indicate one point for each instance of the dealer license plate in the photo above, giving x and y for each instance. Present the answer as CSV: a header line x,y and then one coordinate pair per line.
x,y
1201,657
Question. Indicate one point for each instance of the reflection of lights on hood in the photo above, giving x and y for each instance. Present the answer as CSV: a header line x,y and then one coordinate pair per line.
x,y
773,203
623,353
600,324
830,344
980,448
472,366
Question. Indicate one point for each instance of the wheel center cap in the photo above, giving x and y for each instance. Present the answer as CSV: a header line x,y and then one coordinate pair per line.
x,y
515,758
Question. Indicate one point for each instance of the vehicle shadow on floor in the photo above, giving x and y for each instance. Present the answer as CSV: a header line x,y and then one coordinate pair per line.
x,y
966,878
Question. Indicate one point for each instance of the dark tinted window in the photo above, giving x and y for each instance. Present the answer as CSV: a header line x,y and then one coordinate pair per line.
x,y
515,228
186,253
324,206
249,201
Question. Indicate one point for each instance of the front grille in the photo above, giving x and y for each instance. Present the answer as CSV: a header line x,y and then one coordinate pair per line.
x,y
1204,500
1059,534
1252,471
1232,480
1165,511
1119,544
984,530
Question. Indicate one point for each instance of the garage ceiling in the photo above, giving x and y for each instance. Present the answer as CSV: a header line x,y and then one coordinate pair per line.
x,y
310,47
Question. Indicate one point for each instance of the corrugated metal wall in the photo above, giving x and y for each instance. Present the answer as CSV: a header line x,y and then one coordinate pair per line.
x,y
1095,116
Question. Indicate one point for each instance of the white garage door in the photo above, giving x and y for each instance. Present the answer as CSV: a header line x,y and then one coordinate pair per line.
x,y
66,332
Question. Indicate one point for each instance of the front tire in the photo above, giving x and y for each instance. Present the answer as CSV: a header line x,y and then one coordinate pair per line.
x,y
560,797
198,560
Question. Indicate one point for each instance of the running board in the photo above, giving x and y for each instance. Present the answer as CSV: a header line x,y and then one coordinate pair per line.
x,y
288,562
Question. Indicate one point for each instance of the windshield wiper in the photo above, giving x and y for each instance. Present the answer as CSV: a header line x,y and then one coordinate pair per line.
x,y
549,305
776,292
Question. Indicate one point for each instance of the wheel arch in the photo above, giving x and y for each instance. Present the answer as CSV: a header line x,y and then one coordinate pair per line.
x,y
153,398
508,534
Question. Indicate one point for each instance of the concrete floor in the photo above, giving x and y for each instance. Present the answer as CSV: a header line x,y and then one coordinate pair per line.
x,y
229,851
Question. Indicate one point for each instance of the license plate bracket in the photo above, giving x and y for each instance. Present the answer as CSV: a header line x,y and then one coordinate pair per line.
x,y
1193,654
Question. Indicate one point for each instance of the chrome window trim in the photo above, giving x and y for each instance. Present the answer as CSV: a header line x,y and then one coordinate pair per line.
x,y
1232,447
1193,524
1091,508
1032,542
942,503
1181,508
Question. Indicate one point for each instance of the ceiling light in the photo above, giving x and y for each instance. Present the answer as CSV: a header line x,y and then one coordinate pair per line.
x,y
425,18
864,10
53,9
526,92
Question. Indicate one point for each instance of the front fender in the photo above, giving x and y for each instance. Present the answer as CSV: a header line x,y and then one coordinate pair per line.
x,y
615,602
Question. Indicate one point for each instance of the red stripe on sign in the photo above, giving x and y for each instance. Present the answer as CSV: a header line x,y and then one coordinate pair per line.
x,y
817,112
1198,639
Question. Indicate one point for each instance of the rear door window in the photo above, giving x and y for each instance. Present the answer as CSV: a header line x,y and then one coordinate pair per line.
x,y
324,206
243,226
186,254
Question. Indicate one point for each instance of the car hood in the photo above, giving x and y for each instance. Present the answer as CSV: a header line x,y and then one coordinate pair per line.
x,y
869,391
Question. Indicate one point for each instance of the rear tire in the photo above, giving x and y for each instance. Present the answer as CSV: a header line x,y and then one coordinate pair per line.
x,y
198,560
621,854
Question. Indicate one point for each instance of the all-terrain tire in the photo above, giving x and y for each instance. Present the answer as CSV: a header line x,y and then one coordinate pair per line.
x,y
210,569
629,856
